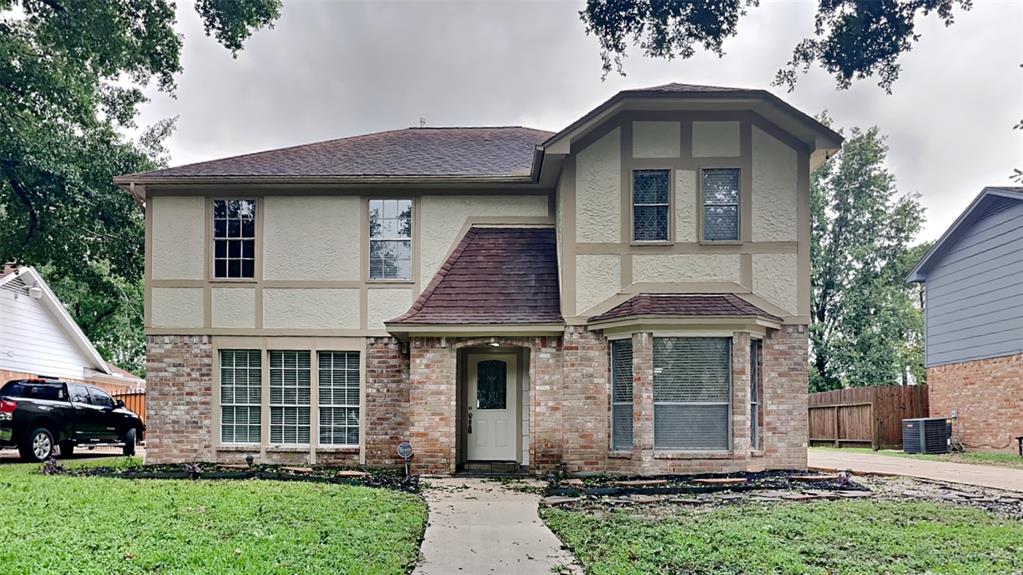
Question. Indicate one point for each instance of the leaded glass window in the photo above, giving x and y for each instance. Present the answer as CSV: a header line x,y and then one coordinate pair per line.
x,y
692,393
241,394
650,204
390,239
621,394
491,384
290,374
234,238
339,397
721,204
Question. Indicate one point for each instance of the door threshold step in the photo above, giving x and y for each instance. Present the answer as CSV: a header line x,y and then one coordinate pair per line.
x,y
492,469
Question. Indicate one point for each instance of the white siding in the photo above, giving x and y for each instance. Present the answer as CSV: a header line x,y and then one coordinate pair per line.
x,y
31,341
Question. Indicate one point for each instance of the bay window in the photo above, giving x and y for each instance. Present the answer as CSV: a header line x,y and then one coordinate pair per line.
x,y
692,393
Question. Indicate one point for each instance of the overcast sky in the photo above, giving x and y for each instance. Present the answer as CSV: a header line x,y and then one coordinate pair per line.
x,y
334,69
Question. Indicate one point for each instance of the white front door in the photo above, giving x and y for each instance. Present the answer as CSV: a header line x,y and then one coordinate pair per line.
x,y
492,406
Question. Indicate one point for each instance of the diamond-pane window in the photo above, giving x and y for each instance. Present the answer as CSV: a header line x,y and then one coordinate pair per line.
x,y
721,204
651,201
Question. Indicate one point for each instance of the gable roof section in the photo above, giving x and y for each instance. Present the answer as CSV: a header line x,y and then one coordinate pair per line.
x,y
485,152
684,305
31,278
977,210
496,275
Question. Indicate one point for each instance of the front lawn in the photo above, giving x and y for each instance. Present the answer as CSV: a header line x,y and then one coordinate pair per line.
x,y
93,525
847,537
998,459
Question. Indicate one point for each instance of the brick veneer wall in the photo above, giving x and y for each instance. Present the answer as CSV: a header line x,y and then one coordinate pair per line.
x,y
987,395
585,399
387,400
786,373
179,387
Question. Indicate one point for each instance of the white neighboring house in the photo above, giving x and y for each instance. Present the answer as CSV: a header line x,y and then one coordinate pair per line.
x,y
38,338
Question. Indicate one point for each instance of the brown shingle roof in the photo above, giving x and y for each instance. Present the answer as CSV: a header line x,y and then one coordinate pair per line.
x,y
684,305
485,151
496,275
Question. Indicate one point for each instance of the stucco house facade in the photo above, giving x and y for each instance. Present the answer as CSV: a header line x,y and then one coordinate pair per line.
x,y
973,313
630,294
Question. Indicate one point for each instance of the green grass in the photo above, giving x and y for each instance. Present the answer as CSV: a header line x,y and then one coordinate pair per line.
x,y
847,537
1011,460
91,525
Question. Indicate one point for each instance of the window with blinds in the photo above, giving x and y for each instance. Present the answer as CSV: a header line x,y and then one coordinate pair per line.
x,y
621,394
756,357
339,397
290,391
692,393
721,204
241,388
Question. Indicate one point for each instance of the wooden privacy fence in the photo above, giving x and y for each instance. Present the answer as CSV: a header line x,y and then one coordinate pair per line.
x,y
862,416
135,401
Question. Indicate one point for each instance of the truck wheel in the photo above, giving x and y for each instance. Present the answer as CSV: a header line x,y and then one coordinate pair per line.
x,y
129,442
67,449
37,446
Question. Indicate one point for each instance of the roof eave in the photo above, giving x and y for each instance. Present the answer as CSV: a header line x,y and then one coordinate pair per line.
x,y
681,319
475,329
143,179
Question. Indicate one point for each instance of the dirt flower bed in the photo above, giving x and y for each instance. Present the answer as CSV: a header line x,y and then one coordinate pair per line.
x,y
384,478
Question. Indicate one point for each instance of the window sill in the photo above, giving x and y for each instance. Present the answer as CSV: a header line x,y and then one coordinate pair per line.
x,y
392,282
721,242
692,454
619,455
289,448
337,449
215,281
652,243
757,453
239,447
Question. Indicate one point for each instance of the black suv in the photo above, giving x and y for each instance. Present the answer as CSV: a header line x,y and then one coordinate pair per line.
x,y
38,414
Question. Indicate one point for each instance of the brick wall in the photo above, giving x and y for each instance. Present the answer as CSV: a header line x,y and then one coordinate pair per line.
x,y
786,424
387,400
432,403
988,396
179,387
584,399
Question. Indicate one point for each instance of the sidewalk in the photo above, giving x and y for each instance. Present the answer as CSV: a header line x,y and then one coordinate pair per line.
x,y
483,527
979,475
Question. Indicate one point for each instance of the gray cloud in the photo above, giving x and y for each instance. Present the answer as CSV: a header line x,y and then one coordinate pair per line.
x,y
335,69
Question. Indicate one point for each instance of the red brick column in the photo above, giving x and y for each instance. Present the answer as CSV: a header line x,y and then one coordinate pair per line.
x,y
432,404
741,434
987,396
585,399
642,401
785,397
179,387
545,418
387,400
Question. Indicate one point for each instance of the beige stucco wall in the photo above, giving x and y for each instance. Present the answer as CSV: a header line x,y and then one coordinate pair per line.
x,y
656,139
686,268
775,181
775,278
598,277
598,190
312,238
233,307
385,304
290,308
443,217
685,206
177,307
178,237
712,139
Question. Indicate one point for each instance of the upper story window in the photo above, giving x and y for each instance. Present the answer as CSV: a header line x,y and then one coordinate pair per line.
x,y
651,201
721,204
234,238
390,239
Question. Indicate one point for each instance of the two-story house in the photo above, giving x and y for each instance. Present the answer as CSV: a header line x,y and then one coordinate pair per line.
x,y
630,294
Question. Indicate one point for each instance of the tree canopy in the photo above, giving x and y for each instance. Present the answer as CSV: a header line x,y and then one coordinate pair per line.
x,y
866,325
72,76
853,39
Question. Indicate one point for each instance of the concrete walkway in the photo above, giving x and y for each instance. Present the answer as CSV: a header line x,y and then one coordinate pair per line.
x,y
979,475
479,527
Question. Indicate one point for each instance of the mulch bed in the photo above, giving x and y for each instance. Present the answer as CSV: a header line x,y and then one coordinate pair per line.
x,y
387,479
620,486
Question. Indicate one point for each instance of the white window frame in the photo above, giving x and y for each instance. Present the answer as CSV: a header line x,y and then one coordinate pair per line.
x,y
228,238
284,406
728,403
394,238
330,405
248,405
665,205
704,204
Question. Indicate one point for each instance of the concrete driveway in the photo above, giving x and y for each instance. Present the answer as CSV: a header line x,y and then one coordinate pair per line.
x,y
979,475
11,455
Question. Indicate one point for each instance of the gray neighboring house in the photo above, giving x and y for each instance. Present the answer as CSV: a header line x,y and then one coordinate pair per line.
x,y
973,291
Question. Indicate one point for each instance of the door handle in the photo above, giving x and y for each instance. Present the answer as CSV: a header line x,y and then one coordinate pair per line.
x,y
470,422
